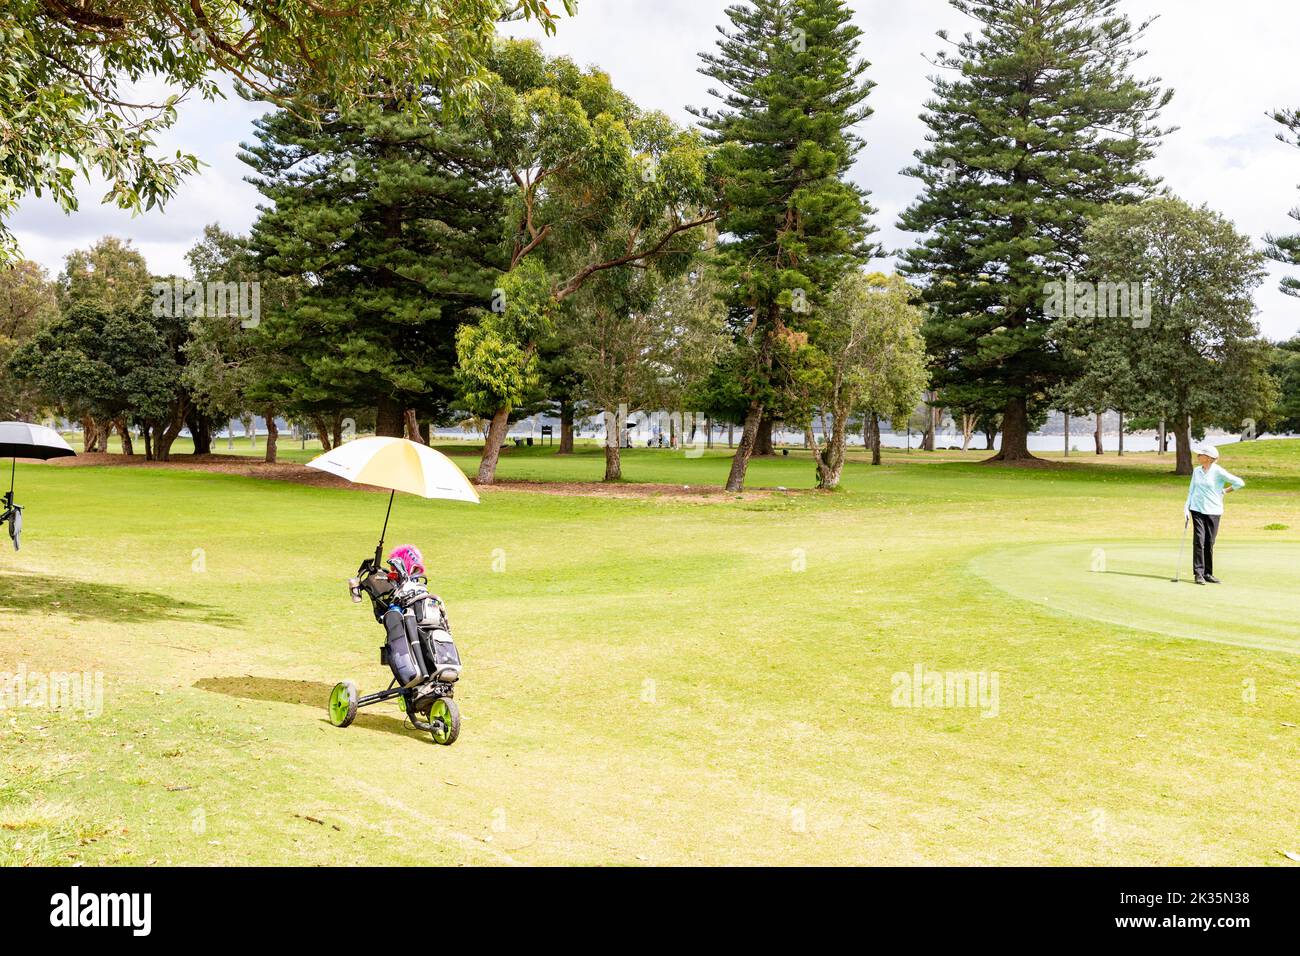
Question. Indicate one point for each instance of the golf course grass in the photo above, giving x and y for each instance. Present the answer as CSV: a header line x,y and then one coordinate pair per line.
x,y
658,677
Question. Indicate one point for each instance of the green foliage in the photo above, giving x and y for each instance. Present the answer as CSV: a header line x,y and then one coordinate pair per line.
x,y
600,187
721,393
228,361
111,273
66,107
27,303
497,358
108,363
872,330
867,354
1200,357
390,225
792,91
598,182
1284,367
1036,123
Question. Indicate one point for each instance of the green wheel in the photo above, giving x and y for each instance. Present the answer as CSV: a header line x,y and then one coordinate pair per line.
x,y
343,704
444,721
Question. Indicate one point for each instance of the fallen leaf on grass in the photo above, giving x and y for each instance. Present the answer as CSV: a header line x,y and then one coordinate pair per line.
x,y
303,816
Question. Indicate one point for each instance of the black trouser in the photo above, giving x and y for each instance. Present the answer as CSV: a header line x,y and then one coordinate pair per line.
x,y
1205,528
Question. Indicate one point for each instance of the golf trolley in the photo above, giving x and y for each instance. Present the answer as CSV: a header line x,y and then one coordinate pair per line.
x,y
419,650
12,515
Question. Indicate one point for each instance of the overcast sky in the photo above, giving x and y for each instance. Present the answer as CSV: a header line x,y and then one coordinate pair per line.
x,y
1228,66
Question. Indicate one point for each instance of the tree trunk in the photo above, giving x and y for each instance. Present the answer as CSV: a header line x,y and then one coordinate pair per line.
x,y
763,439
1121,434
146,431
927,440
1097,432
170,432
200,427
613,462
731,435
566,428
322,430
413,427
89,434
124,430
1183,446
272,436
426,432
1015,432
830,460
388,418
1162,439
496,436
873,436
748,435
708,435
337,426
1067,434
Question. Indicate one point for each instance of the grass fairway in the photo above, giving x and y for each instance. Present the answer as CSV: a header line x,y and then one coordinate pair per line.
x,y
663,679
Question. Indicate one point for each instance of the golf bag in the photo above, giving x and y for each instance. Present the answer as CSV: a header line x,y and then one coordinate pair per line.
x,y
419,648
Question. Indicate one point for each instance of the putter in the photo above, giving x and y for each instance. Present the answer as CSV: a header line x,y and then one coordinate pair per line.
x,y
1181,543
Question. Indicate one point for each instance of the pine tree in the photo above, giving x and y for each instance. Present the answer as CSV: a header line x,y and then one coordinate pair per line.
x,y
1040,125
393,221
792,89
1286,249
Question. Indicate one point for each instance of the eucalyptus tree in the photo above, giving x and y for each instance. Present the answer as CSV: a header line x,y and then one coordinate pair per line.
x,y
598,185
69,100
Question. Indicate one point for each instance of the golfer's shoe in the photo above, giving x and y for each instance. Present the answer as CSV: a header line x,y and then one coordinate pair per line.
x,y
1212,579
1200,580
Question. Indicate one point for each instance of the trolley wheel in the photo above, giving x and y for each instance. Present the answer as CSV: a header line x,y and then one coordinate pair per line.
x,y
343,703
444,721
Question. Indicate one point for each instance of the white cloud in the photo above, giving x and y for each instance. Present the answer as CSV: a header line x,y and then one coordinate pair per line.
x,y
1228,67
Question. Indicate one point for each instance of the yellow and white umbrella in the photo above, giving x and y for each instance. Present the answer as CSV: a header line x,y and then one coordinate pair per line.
x,y
398,465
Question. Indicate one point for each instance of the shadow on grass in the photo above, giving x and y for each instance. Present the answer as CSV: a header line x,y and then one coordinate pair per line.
x,y
85,601
1138,574
308,693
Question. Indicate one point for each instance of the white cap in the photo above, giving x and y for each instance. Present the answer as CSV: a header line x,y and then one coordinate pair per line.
x,y
1208,450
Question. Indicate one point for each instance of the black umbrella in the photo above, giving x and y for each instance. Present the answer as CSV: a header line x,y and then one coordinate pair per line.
x,y
21,440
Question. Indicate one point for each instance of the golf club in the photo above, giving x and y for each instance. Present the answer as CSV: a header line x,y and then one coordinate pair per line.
x,y
1181,544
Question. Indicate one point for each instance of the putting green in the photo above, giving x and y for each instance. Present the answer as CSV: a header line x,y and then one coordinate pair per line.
x,y
1129,583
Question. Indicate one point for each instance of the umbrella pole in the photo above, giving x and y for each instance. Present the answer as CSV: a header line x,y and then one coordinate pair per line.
x,y
379,548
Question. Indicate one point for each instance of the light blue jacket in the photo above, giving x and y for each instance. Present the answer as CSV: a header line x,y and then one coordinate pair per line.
x,y
1206,492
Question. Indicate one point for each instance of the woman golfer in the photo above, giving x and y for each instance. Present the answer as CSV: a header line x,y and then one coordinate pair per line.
x,y
1205,506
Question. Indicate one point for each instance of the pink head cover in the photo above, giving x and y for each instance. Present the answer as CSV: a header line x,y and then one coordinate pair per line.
x,y
411,559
